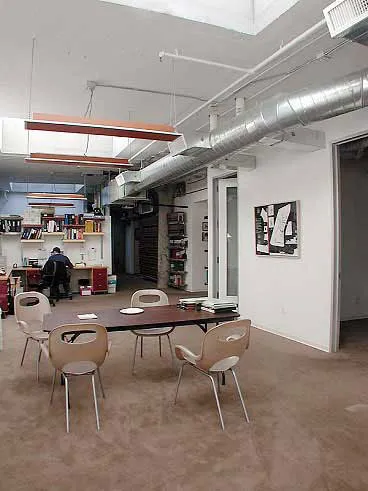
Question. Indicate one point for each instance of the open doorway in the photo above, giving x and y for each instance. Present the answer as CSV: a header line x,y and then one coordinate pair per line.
x,y
351,168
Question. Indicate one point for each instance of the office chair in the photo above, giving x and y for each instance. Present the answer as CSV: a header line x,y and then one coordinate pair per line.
x,y
55,273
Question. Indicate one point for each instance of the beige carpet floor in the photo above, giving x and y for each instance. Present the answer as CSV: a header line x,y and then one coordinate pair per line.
x,y
308,430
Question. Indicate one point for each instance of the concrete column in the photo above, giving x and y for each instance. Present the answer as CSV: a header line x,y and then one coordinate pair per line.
x,y
165,196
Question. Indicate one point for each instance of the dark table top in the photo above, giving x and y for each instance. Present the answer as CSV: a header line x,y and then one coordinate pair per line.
x,y
163,316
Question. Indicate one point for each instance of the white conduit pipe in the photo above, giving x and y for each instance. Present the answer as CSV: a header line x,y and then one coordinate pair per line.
x,y
273,84
174,56
277,54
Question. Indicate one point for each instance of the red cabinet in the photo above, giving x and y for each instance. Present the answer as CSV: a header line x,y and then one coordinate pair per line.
x,y
4,296
33,279
99,280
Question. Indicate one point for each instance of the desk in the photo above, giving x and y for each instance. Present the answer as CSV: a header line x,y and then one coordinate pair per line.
x,y
163,316
96,275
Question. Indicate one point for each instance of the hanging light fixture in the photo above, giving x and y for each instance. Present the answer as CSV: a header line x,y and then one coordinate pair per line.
x,y
88,126
57,196
77,160
51,205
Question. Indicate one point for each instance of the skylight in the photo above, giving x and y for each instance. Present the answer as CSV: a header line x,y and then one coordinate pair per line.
x,y
246,16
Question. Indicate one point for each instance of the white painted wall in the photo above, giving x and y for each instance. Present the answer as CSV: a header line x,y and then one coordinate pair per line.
x,y
354,239
293,297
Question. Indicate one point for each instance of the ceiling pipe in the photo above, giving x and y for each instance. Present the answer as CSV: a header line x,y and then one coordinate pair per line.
x,y
176,56
251,74
274,114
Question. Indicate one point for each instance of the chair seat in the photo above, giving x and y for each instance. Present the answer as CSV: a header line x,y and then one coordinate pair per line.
x,y
79,368
38,335
158,331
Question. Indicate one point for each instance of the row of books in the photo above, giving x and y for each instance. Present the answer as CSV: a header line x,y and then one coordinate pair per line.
x,y
93,226
73,234
52,226
10,225
72,219
30,233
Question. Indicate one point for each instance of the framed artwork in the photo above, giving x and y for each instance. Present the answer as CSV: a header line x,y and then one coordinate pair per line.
x,y
204,226
204,236
276,229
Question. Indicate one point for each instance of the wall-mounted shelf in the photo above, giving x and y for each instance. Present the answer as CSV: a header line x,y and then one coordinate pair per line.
x,y
177,249
93,233
73,241
10,233
53,234
31,241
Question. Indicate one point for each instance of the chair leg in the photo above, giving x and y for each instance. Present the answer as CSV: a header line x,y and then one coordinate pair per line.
x,y
217,401
38,361
135,354
160,345
141,346
100,380
240,394
218,382
95,401
53,386
24,352
179,380
172,353
67,403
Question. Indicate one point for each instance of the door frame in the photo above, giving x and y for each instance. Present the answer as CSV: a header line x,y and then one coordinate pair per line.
x,y
336,240
223,184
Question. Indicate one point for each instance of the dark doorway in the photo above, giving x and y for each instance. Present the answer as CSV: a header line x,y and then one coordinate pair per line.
x,y
118,240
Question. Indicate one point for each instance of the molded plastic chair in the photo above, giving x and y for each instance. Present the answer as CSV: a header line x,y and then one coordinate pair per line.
x,y
222,348
30,309
136,301
73,359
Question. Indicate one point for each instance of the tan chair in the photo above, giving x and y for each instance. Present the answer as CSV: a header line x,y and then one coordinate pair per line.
x,y
136,301
30,309
222,348
77,358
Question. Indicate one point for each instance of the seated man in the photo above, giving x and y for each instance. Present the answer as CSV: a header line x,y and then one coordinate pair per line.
x,y
56,271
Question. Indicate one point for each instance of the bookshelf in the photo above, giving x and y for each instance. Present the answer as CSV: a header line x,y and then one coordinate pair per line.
x,y
178,243
72,227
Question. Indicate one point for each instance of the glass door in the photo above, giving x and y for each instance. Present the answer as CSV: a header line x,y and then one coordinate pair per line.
x,y
228,239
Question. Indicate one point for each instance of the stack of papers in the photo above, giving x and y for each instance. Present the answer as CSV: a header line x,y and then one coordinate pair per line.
x,y
191,303
84,317
215,305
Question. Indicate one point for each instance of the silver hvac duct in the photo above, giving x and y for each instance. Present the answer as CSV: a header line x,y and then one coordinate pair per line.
x,y
274,114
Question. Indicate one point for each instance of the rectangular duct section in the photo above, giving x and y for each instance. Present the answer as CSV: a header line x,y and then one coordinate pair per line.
x,y
349,19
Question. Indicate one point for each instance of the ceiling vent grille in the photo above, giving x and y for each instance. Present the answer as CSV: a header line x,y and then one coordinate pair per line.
x,y
346,17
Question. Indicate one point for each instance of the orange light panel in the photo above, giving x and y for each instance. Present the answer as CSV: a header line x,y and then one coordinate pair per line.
x,y
87,126
77,160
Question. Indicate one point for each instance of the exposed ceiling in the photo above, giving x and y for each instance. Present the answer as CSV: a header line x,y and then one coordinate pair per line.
x,y
118,45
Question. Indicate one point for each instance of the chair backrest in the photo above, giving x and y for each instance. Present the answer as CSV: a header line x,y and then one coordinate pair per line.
x,y
55,272
62,352
30,308
223,345
136,301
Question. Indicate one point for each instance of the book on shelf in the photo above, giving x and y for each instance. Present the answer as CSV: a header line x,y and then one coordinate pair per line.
x,y
30,233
